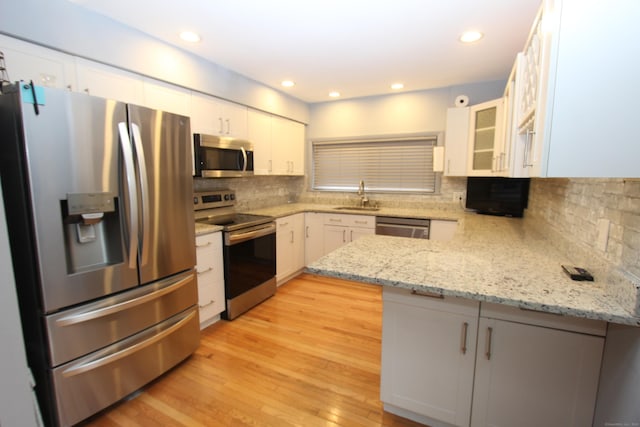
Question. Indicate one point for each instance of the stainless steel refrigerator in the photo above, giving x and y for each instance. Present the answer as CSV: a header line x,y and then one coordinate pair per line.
x,y
99,210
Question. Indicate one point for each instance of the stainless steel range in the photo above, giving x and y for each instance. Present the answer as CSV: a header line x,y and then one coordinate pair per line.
x,y
249,250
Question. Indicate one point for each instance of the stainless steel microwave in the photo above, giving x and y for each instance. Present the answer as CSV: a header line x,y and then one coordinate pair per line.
x,y
222,157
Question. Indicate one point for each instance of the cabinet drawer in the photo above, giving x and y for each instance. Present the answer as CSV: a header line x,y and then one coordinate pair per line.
x,y
431,301
364,221
547,320
208,252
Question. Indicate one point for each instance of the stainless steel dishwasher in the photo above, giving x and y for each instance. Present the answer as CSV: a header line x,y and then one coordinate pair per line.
x,y
403,227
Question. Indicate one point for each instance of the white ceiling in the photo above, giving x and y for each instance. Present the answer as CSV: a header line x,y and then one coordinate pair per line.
x,y
356,47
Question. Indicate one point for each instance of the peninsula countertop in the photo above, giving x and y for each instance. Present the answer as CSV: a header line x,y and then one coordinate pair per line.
x,y
492,259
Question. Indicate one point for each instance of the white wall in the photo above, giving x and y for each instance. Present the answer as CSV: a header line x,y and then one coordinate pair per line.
x,y
407,112
64,26
16,398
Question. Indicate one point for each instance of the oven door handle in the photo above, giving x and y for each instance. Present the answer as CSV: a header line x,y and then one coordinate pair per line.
x,y
235,238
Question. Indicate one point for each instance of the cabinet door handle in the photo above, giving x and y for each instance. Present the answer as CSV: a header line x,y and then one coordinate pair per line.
x,y
463,338
528,148
270,166
207,304
228,126
427,294
203,246
487,345
351,236
448,165
344,236
291,236
205,271
307,232
221,125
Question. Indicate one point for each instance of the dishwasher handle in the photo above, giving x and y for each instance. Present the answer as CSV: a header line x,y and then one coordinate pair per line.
x,y
417,229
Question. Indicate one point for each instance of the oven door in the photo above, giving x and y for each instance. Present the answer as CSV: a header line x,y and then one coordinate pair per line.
x,y
250,258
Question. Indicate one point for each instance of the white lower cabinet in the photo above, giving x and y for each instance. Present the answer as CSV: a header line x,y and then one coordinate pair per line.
x,y
442,229
428,355
313,236
290,243
210,271
531,369
340,229
534,376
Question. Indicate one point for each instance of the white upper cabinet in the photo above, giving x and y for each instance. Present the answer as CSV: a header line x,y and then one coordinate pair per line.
x,y
46,67
213,116
278,144
287,149
204,113
579,103
456,144
520,142
259,124
232,120
166,97
108,82
487,153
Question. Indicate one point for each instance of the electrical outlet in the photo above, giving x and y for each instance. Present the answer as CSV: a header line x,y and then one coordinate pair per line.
x,y
458,196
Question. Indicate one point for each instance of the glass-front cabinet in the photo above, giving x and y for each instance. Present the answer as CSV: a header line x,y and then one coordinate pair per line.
x,y
487,151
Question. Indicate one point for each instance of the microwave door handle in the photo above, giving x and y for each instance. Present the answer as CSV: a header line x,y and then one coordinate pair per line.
x,y
244,158
144,194
129,176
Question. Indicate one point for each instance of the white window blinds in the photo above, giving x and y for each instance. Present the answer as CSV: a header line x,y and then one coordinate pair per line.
x,y
385,165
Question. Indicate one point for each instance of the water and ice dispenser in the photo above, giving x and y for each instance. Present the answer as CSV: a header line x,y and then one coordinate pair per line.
x,y
92,231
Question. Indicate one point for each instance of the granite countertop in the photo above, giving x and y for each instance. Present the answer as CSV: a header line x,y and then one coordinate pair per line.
x,y
293,208
493,259
202,229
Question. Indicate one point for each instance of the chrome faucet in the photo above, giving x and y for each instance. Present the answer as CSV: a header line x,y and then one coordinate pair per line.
x,y
364,201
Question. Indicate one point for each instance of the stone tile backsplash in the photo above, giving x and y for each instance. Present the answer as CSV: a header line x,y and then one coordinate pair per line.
x,y
574,207
256,192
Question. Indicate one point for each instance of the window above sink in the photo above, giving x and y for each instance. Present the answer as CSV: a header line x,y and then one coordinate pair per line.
x,y
399,164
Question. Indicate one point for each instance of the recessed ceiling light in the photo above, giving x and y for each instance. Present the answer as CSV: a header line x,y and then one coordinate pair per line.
x,y
471,36
334,94
397,86
288,83
190,36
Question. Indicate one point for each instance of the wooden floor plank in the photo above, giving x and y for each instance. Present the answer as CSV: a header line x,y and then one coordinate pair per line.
x,y
309,356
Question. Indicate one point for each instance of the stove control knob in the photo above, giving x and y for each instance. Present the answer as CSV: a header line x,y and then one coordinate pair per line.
x,y
226,197
233,196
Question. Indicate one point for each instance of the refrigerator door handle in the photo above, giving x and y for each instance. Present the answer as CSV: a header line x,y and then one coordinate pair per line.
x,y
144,193
130,176
95,364
74,319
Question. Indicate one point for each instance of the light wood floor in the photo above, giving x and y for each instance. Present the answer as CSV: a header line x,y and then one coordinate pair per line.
x,y
309,356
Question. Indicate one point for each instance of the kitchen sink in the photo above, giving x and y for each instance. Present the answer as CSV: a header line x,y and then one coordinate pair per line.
x,y
357,208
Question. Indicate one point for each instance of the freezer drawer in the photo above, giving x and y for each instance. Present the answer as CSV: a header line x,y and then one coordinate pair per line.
x,y
85,386
82,330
